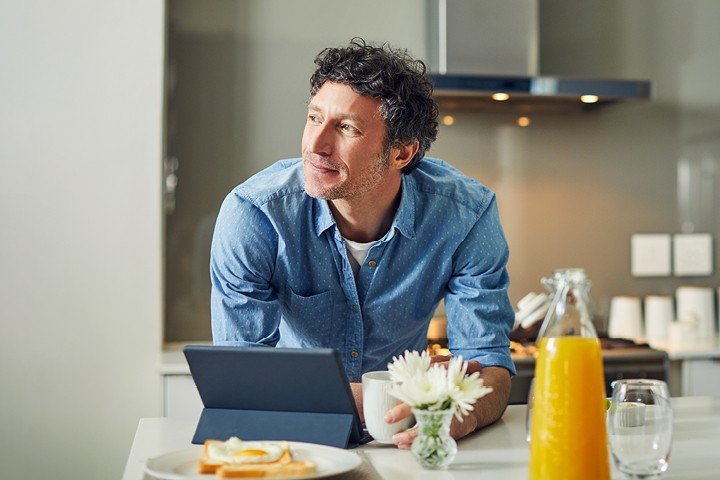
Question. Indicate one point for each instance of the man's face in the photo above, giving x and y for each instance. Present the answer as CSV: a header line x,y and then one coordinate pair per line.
x,y
343,144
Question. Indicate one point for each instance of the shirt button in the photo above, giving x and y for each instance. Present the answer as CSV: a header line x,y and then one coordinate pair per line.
x,y
372,264
355,309
354,354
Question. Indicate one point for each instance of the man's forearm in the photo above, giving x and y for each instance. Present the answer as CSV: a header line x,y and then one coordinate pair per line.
x,y
490,408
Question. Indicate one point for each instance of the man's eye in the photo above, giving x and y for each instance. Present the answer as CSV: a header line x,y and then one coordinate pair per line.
x,y
348,129
313,118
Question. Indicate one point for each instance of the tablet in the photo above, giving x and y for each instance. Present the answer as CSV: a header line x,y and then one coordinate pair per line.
x,y
268,393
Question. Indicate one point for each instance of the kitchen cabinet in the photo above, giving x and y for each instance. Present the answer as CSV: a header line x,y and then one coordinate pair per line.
x,y
180,396
700,377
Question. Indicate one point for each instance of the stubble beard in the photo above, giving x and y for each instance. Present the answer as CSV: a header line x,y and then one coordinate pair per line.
x,y
360,185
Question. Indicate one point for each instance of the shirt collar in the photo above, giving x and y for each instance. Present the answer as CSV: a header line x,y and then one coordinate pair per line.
x,y
322,216
404,220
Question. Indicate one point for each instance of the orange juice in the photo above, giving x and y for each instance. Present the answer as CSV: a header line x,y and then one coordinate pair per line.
x,y
567,437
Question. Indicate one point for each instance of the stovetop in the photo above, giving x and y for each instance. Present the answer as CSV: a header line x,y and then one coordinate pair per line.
x,y
613,350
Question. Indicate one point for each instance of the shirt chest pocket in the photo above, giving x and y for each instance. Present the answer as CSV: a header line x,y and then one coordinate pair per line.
x,y
310,317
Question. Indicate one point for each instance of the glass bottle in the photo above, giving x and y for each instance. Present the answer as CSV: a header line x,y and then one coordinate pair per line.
x,y
568,436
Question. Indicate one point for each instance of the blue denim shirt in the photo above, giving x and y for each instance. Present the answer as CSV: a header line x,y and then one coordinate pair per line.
x,y
281,276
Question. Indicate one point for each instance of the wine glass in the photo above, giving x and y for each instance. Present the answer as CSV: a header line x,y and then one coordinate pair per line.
x,y
640,427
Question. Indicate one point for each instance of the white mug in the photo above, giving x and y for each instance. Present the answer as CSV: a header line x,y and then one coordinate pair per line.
x,y
697,303
625,318
376,402
658,317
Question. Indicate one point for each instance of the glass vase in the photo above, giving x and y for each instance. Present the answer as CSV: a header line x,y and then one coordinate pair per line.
x,y
434,448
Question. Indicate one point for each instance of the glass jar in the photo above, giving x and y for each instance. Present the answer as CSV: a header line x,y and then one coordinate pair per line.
x,y
568,436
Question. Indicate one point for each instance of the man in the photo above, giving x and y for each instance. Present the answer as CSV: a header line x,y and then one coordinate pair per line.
x,y
353,246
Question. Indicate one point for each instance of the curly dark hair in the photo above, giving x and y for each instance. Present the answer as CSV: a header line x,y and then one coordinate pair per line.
x,y
395,78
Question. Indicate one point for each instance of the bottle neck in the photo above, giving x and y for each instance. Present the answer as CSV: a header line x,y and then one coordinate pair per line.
x,y
568,314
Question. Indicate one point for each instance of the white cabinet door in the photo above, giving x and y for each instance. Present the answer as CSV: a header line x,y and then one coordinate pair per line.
x,y
181,399
701,377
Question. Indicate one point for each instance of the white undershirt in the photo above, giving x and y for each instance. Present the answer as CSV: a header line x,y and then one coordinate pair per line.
x,y
358,253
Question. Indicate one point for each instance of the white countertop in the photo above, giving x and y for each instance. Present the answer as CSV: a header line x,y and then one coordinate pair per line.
x,y
497,452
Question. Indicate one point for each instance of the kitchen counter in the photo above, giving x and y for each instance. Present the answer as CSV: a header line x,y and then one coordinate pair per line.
x,y
172,361
708,350
497,452
613,355
621,359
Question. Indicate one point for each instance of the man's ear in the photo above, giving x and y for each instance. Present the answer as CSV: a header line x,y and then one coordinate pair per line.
x,y
403,154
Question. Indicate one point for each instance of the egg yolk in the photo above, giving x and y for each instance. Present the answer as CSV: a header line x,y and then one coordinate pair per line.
x,y
249,453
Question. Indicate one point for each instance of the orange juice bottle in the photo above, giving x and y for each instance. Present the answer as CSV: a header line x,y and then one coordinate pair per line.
x,y
567,432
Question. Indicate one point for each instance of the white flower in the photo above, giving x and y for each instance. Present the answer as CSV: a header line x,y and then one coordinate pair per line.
x,y
456,371
424,391
408,367
434,387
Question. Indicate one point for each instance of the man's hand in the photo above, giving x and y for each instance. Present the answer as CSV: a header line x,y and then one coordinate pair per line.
x,y
487,409
356,389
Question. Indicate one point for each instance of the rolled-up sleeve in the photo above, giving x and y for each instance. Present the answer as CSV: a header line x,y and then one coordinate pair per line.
x,y
479,312
243,254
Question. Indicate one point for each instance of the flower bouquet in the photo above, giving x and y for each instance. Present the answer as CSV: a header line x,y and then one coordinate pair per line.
x,y
435,393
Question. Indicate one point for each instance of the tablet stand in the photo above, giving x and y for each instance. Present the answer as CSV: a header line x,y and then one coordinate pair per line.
x,y
331,429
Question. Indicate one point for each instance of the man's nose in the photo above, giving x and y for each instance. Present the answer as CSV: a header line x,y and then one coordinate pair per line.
x,y
319,139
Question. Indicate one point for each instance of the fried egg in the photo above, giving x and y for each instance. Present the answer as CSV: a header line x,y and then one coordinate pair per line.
x,y
235,450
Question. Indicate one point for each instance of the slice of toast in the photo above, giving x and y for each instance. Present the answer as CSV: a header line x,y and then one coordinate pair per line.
x,y
283,467
294,468
209,465
206,464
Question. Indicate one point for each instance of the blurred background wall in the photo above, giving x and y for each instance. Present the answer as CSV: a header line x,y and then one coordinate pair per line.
x,y
80,233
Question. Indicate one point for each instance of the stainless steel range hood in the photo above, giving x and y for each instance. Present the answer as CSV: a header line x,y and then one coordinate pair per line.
x,y
484,55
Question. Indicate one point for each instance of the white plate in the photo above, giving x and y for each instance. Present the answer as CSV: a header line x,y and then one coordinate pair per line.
x,y
182,464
